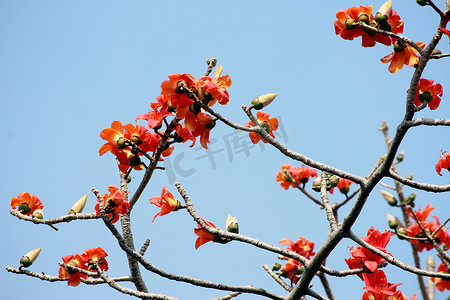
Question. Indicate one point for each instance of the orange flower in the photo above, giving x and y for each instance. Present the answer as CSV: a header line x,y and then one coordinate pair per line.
x,y
283,178
203,235
112,135
445,31
428,93
173,97
302,247
442,284
403,55
377,287
74,276
361,257
215,87
26,204
166,202
292,269
422,215
443,163
115,203
344,185
154,118
267,124
95,255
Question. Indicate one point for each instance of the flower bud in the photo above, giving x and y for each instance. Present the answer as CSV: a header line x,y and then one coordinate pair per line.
x,y
409,177
425,97
180,87
24,208
262,101
350,24
390,199
382,158
401,233
316,184
399,46
400,156
122,143
135,139
400,223
28,259
422,2
135,161
412,197
334,180
436,52
38,214
364,18
391,221
384,12
232,224
276,267
78,206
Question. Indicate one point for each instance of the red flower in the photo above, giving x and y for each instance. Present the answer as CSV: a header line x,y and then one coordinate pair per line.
x,y
215,87
203,235
428,93
154,118
403,55
414,230
302,247
443,163
445,31
166,202
377,287
267,124
173,97
95,255
442,284
74,276
344,185
115,203
292,269
299,174
361,257
26,204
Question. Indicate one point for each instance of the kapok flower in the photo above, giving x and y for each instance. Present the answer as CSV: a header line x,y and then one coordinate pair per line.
x,y
167,203
361,257
292,269
377,287
215,89
267,124
154,118
173,95
26,204
445,31
403,54
344,185
203,235
302,247
95,256
443,163
428,93
115,203
74,276
302,174
442,284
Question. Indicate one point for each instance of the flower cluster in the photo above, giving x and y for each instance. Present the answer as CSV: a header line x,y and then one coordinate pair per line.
x,y
181,97
115,203
89,260
377,288
300,175
443,163
26,204
167,203
293,268
349,25
268,124
363,258
414,230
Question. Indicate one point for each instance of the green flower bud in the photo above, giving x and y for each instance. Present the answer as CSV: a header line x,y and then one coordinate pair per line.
x,y
28,259
380,18
364,18
400,156
232,224
350,24
409,177
390,199
401,233
412,197
422,2
333,180
195,108
276,267
436,52
24,208
122,143
136,140
38,214
399,46
425,97
391,221
135,161
316,184
262,101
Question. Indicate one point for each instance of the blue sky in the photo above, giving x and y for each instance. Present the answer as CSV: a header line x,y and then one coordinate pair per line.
x,y
68,69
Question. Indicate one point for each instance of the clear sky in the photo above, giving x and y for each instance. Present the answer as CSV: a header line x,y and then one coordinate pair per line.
x,y
70,68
